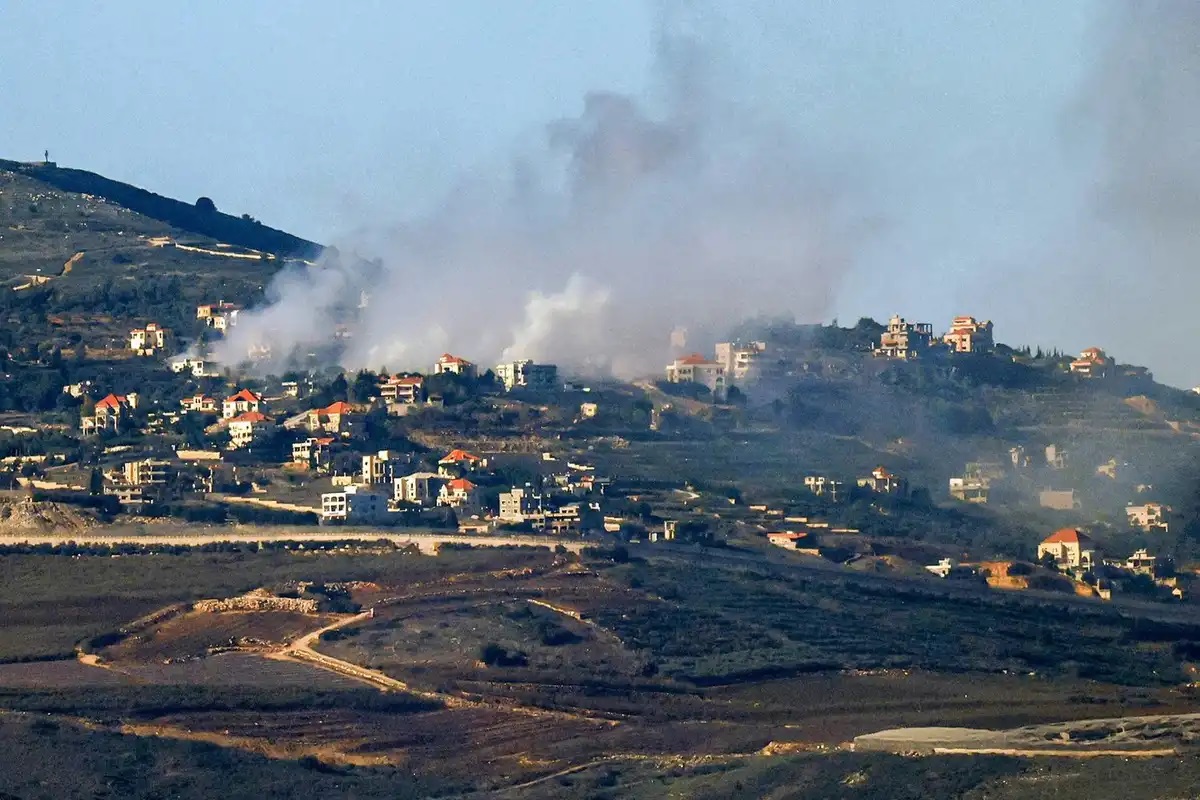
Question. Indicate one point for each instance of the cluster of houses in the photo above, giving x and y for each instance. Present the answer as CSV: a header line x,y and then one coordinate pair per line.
x,y
880,481
907,340
1095,363
1072,551
734,363
384,488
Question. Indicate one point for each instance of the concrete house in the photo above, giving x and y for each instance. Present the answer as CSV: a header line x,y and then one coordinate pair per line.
x,y
354,504
419,488
823,486
966,335
739,359
459,493
1092,363
149,340
1070,547
695,368
402,390
110,414
245,429
453,365
200,403
527,375
245,401
381,467
904,340
313,451
1148,516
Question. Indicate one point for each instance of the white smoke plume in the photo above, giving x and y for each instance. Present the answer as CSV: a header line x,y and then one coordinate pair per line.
x,y
591,246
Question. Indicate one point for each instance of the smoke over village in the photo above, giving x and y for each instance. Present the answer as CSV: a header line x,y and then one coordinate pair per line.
x,y
610,230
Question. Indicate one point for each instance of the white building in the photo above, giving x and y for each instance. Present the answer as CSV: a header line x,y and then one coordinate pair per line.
x,y
353,504
243,402
527,375
695,368
739,358
823,486
454,365
149,340
419,488
459,493
247,428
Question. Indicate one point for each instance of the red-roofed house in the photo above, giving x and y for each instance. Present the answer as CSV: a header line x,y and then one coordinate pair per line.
x,y
1092,363
882,481
454,366
696,368
457,462
109,414
459,493
339,419
1070,547
241,403
245,429
966,335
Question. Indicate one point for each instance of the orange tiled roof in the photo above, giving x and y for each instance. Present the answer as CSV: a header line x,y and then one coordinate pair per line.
x,y
113,401
1068,536
245,394
693,360
340,407
461,484
251,416
455,456
449,359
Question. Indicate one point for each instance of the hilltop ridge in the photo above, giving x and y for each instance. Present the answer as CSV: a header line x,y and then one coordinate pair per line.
x,y
191,217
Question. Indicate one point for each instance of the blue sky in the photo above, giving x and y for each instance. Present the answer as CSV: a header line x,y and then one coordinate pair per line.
x,y
952,120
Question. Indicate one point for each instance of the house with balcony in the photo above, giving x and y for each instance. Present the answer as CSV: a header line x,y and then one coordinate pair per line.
x,y
459,493
967,335
740,359
244,402
354,505
1070,548
382,467
314,452
1148,517
1092,363
248,428
418,488
149,340
696,368
526,375
402,390
111,414
904,340
199,403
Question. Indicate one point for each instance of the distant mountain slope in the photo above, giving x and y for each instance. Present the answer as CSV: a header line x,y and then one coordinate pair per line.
x,y
185,216
85,257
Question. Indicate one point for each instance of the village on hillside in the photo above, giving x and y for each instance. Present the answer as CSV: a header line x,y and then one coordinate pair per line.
x,y
518,447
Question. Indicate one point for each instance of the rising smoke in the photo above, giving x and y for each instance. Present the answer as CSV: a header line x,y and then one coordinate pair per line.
x,y
616,227
1136,244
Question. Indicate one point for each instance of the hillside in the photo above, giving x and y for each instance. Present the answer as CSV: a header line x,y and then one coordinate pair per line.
x,y
83,257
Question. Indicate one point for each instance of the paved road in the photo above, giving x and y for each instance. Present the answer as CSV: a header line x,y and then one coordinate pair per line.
x,y
427,542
